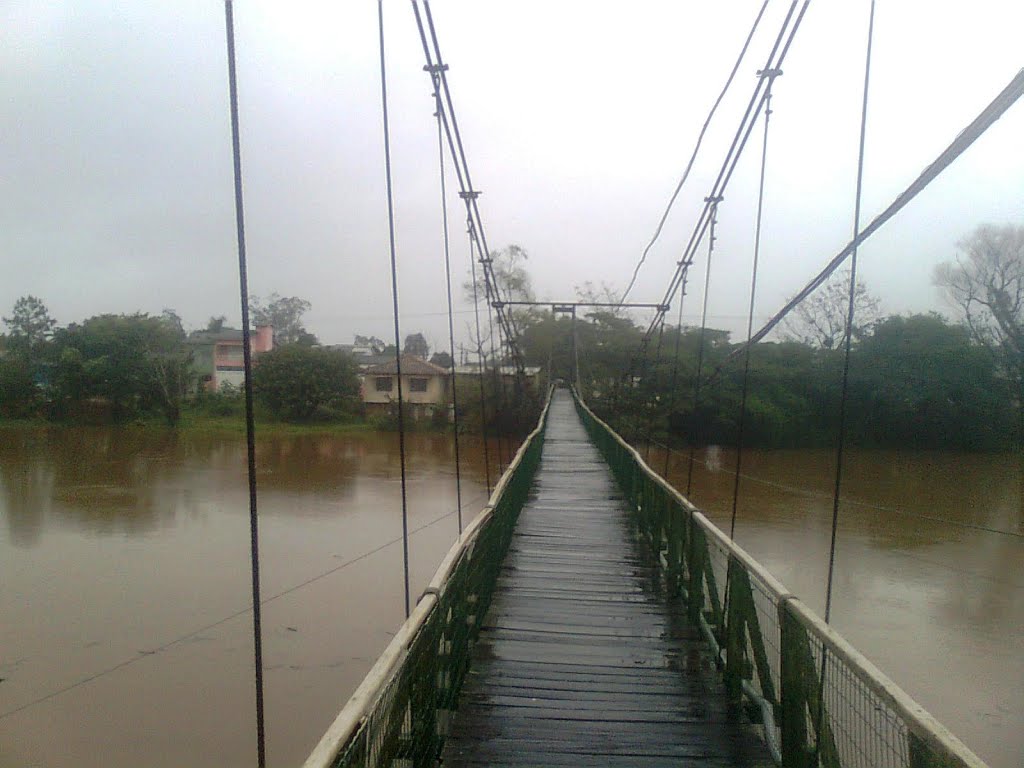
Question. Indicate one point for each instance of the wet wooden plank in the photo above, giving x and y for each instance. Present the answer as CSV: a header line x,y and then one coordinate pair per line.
x,y
580,661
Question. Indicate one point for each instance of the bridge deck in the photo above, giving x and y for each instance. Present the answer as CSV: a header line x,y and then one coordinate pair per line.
x,y
581,661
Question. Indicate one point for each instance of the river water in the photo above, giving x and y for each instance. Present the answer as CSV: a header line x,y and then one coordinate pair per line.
x,y
124,580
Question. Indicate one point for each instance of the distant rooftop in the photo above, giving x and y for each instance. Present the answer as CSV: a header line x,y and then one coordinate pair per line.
x,y
411,365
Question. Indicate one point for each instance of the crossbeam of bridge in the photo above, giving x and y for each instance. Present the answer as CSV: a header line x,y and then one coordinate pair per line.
x,y
581,660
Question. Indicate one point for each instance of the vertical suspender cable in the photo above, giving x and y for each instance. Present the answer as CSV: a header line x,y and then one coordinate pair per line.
x,y
250,421
496,376
847,344
480,359
643,375
785,38
770,75
451,313
696,149
675,377
700,339
847,340
654,376
394,302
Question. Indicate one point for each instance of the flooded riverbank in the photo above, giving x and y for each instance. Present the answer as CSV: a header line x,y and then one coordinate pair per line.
x,y
124,581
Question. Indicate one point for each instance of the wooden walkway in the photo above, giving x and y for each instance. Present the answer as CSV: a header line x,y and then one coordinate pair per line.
x,y
581,661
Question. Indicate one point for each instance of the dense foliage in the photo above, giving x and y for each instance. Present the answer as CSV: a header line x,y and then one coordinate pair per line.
x,y
297,382
116,368
915,381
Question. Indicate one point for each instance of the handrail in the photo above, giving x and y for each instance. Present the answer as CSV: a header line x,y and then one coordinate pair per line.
x,y
927,743
385,671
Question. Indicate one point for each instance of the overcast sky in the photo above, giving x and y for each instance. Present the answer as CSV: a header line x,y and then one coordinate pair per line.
x,y
578,118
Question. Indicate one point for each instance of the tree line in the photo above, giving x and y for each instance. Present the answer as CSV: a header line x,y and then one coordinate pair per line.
x,y
124,367
917,381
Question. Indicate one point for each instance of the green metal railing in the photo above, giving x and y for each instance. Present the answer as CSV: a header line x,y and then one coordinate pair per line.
x,y
815,699
401,711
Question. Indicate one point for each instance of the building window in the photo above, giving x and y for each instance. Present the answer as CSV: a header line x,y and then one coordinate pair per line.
x,y
382,383
417,385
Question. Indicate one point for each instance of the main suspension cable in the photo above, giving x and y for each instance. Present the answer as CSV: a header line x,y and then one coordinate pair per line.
x,y
250,419
436,65
696,149
394,302
996,108
784,39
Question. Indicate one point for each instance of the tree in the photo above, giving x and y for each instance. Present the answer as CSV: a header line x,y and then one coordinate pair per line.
x,y
919,381
986,284
137,363
284,313
441,359
19,395
820,319
30,325
169,362
416,344
216,324
295,381
511,283
377,346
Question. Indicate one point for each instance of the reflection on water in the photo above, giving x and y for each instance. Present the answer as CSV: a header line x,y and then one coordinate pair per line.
x,y
122,544
929,579
128,545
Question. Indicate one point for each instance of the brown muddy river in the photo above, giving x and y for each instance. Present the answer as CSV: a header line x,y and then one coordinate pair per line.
x,y
124,581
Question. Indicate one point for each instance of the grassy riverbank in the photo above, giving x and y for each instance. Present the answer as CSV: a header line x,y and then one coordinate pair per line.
x,y
197,422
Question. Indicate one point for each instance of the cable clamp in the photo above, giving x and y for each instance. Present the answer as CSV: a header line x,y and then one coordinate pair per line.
x,y
469,194
714,199
772,73
435,68
429,591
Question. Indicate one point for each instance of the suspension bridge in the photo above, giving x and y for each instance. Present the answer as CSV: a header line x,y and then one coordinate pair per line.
x,y
590,614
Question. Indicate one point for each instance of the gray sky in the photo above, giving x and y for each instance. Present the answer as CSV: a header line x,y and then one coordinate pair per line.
x,y
578,118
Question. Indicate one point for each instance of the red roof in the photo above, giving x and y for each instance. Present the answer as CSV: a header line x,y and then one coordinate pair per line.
x,y
411,366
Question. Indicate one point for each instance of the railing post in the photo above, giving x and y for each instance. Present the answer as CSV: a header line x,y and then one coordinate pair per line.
x,y
423,699
695,585
922,756
735,636
793,692
676,532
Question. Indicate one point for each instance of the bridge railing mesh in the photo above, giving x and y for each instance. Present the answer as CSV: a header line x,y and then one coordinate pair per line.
x,y
814,699
400,714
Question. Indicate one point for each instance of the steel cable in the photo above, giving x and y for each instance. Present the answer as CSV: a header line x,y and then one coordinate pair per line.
x,y
996,108
784,39
696,149
745,389
394,302
250,420
451,313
